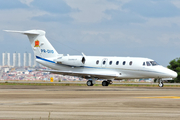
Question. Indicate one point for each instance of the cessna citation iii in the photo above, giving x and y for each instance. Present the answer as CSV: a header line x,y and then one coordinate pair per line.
x,y
94,67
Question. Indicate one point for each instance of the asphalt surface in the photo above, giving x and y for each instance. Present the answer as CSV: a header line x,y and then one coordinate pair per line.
x,y
99,82
87,103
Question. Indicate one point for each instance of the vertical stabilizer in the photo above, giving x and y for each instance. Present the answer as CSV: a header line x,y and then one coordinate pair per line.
x,y
39,43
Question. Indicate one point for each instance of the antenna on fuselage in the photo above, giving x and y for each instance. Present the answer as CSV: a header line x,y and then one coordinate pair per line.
x,y
83,54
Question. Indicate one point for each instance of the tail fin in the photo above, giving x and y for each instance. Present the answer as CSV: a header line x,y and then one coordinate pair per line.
x,y
39,43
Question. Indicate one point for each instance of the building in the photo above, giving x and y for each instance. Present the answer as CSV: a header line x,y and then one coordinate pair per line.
x,y
3,59
6,59
19,60
27,59
35,64
16,59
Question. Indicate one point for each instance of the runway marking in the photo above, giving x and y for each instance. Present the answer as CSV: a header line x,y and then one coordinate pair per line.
x,y
171,97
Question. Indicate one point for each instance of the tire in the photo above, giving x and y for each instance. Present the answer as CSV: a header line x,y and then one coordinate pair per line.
x,y
89,83
105,83
161,84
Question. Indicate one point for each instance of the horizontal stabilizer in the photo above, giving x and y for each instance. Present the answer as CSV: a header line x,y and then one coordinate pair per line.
x,y
30,32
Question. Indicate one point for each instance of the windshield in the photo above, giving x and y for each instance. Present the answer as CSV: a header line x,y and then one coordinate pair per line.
x,y
154,63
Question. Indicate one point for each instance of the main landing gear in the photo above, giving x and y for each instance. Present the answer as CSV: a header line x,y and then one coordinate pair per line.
x,y
89,83
104,83
161,84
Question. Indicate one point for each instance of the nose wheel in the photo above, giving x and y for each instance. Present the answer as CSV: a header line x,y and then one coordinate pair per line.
x,y
161,84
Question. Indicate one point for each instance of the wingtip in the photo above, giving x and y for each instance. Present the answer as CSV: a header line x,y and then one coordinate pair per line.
x,y
13,31
6,30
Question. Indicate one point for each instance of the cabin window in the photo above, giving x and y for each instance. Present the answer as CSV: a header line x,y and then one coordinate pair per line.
x,y
130,63
117,63
97,62
110,63
124,62
104,62
144,63
148,64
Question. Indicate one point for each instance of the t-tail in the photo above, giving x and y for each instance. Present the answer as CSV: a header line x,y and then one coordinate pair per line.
x,y
41,46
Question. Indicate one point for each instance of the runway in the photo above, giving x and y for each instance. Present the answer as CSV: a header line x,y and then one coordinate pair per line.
x,y
80,103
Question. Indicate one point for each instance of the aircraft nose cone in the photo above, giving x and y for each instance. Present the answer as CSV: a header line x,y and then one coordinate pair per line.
x,y
174,74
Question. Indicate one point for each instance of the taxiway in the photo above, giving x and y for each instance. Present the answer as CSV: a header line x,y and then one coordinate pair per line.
x,y
80,103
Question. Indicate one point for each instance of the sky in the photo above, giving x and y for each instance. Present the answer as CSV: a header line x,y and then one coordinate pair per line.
x,y
133,28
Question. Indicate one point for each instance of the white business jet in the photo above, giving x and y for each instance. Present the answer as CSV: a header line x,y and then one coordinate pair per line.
x,y
94,67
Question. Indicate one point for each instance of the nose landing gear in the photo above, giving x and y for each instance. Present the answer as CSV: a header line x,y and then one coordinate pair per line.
x,y
161,84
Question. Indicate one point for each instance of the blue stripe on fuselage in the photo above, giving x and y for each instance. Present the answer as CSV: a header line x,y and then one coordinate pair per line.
x,y
44,59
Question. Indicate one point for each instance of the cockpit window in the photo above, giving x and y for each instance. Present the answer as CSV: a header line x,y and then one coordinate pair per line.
x,y
154,63
148,63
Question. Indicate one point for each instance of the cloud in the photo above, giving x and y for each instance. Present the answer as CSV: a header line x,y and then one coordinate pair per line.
x,y
170,39
19,19
11,4
152,8
56,11
90,11
176,3
27,2
105,12
52,6
53,18
120,17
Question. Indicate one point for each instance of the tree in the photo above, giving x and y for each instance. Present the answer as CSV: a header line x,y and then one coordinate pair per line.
x,y
175,66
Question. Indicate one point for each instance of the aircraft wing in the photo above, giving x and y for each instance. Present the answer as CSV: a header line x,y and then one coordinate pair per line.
x,y
83,74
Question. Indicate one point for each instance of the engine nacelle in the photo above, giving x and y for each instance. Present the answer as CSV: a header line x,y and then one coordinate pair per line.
x,y
71,60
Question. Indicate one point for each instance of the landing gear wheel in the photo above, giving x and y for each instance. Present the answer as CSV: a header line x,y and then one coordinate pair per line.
x,y
109,81
161,84
89,83
105,83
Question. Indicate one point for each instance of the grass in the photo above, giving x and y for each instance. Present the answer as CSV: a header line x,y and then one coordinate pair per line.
x,y
79,84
